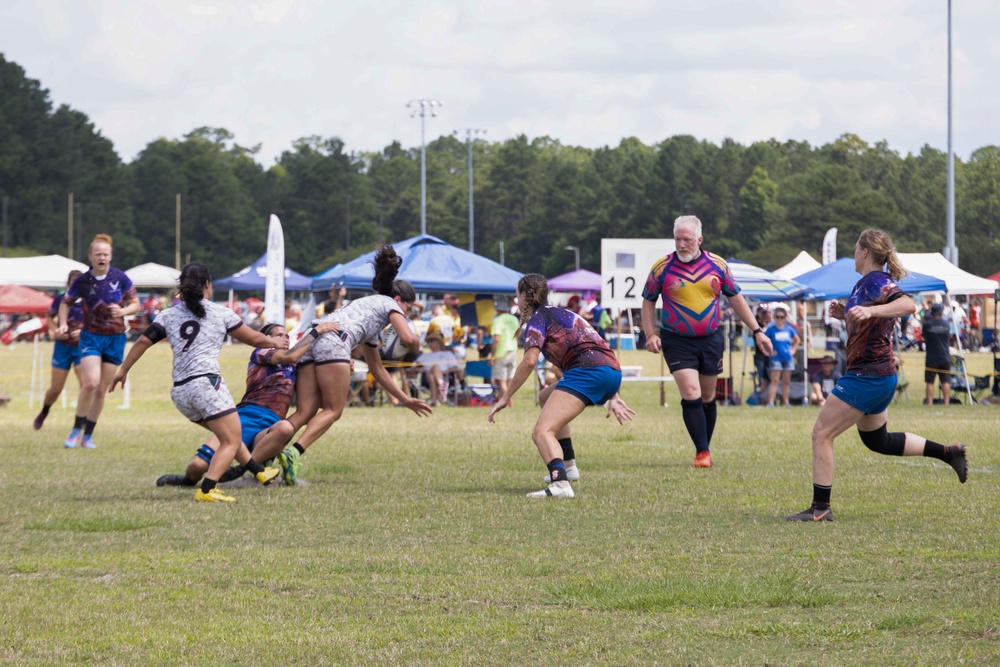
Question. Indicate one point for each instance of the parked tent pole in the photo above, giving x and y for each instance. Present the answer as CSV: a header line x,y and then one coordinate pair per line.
x,y
34,373
743,367
805,354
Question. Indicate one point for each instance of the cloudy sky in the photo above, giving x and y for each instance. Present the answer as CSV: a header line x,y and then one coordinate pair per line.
x,y
584,73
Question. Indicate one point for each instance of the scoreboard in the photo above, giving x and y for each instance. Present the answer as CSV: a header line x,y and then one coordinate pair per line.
x,y
625,265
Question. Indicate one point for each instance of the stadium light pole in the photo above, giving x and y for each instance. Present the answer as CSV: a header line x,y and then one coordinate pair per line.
x,y
470,133
576,251
950,250
5,199
421,107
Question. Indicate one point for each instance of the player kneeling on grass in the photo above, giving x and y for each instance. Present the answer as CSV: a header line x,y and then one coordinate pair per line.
x,y
591,375
862,396
263,410
196,329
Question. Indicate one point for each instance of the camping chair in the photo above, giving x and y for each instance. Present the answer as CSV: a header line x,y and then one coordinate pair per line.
x,y
980,383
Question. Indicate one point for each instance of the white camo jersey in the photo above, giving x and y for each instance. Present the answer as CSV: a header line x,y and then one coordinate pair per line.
x,y
196,341
360,321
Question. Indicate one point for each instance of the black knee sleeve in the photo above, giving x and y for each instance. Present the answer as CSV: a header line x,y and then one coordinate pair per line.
x,y
881,441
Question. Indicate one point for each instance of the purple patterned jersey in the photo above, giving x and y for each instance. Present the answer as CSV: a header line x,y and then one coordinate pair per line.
x,y
869,344
97,296
567,340
269,385
690,292
74,319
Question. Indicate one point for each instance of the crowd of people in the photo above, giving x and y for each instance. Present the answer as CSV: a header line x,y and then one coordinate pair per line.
x,y
316,371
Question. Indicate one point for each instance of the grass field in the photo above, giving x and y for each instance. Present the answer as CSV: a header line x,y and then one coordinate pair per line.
x,y
412,542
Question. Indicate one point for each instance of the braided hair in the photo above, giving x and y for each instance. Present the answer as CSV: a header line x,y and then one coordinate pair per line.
x,y
535,289
194,277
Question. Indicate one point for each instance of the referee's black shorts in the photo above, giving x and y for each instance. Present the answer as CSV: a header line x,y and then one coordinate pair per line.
x,y
702,353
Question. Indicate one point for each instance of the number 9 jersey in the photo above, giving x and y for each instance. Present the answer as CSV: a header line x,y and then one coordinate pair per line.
x,y
196,341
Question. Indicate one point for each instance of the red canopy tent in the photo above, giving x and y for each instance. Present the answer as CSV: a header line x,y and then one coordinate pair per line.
x,y
18,299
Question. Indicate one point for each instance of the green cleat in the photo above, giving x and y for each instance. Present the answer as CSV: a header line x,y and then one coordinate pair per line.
x,y
291,464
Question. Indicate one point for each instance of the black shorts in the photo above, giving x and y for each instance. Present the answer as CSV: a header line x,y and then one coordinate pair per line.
x,y
930,375
702,353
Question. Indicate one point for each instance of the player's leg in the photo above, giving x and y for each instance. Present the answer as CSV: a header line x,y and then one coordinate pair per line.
x,y
226,428
334,380
561,407
565,439
875,435
97,404
56,384
90,380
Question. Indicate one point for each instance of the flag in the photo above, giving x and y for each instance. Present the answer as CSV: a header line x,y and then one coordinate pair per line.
x,y
476,309
830,246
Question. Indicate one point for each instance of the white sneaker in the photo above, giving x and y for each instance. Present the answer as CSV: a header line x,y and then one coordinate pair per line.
x,y
572,474
554,491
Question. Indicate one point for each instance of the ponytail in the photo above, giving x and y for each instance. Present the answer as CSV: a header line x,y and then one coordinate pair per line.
x,y
194,277
386,264
883,252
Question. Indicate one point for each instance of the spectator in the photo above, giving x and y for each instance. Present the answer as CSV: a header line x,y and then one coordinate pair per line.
x,y
824,380
761,358
504,330
785,341
442,324
937,334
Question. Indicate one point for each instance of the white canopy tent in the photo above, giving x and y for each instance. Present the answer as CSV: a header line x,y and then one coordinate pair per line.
x,y
42,272
154,275
803,263
957,280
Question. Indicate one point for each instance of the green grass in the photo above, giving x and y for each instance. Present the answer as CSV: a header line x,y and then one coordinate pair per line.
x,y
412,542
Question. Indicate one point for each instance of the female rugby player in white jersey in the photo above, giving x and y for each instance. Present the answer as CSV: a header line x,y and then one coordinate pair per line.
x,y
196,329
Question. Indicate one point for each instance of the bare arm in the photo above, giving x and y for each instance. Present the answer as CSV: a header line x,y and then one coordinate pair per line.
x,y
63,317
523,372
648,320
898,308
245,334
742,311
382,376
293,355
138,349
130,308
402,328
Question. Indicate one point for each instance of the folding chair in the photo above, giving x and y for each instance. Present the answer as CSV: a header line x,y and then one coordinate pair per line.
x,y
902,385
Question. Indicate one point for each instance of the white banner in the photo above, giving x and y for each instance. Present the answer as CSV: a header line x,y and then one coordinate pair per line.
x,y
830,246
274,288
625,265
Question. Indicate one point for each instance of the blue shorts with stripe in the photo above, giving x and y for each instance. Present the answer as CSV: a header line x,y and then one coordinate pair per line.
x,y
871,394
65,356
254,419
592,385
109,347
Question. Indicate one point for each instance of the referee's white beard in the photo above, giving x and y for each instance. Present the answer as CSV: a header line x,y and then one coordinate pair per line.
x,y
687,256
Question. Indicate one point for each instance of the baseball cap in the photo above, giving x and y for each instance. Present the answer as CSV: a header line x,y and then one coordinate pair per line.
x,y
937,309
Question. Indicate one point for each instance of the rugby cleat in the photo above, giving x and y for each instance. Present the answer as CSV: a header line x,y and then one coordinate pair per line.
x,y
559,490
213,496
88,442
572,474
73,439
175,480
39,420
812,513
958,461
703,459
268,475
290,462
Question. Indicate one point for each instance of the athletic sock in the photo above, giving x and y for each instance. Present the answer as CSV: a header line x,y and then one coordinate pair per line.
x,y
567,447
557,470
821,496
300,448
694,419
934,450
254,467
88,427
711,414
79,422
207,484
45,410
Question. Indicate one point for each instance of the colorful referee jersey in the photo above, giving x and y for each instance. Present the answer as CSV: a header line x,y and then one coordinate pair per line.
x,y
690,292
567,340
269,385
869,344
98,295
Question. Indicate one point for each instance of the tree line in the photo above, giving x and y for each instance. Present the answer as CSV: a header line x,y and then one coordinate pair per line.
x,y
761,203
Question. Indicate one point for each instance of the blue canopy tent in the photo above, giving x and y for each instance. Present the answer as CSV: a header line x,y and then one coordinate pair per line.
x,y
837,279
430,265
254,277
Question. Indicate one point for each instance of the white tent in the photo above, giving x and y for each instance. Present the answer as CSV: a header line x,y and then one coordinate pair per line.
x,y
803,263
957,280
43,272
153,275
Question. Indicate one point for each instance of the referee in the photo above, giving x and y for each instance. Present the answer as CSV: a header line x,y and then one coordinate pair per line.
x,y
689,282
